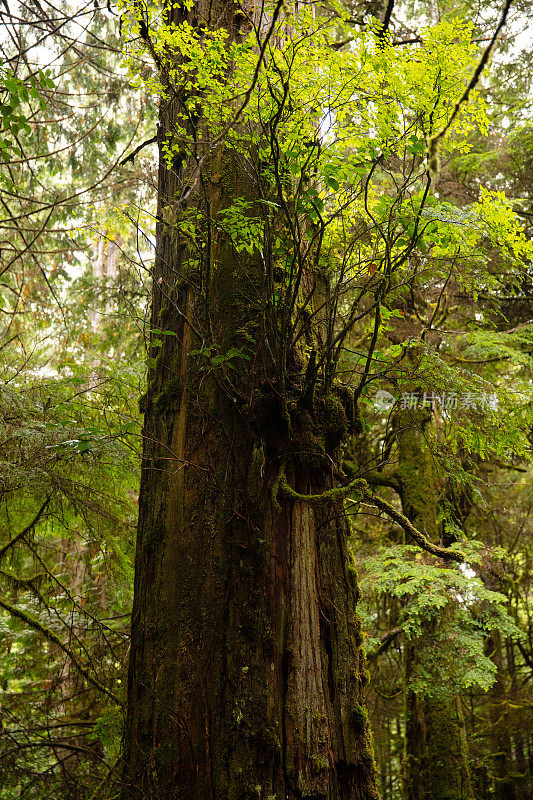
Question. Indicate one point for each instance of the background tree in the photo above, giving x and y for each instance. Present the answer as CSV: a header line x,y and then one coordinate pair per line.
x,y
71,368
492,338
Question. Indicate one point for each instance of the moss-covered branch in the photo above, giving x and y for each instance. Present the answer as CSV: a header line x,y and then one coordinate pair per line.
x,y
360,486
337,493
409,528
50,636
385,641
27,529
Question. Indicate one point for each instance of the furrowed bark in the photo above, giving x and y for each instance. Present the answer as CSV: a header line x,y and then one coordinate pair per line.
x,y
246,670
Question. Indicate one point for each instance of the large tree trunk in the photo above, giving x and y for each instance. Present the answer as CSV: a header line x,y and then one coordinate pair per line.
x,y
246,670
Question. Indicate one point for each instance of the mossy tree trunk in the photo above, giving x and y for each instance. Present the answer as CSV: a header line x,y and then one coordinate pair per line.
x,y
509,776
500,739
522,768
246,669
436,765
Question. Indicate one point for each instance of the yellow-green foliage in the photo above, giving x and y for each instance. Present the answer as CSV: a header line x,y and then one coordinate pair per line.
x,y
329,117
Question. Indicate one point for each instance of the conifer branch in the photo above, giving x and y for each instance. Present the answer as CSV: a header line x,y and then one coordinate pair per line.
x,y
27,529
50,636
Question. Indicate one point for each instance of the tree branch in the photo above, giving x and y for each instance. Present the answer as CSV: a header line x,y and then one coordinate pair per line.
x,y
27,529
435,140
360,486
409,528
50,636
386,21
138,149
386,640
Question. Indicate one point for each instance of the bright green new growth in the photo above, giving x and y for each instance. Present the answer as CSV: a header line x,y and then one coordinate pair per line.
x,y
16,98
455,600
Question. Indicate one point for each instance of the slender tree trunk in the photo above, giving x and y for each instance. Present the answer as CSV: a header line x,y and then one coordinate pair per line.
x,y
500,739
436,748
246,670
523,775
436,765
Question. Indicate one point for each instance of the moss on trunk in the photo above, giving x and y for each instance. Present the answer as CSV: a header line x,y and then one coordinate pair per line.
x,y
247,674
436,760
246,670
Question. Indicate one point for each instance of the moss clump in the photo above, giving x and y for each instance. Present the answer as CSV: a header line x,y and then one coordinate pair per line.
x,y
365,678
317,435
351,574
358,717
163,314
320,763
310,448
334,417
169,394
145,402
